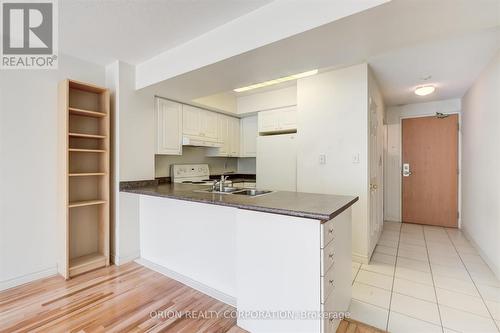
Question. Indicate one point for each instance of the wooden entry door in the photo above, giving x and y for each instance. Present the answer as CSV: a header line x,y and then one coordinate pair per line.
x,y
430,170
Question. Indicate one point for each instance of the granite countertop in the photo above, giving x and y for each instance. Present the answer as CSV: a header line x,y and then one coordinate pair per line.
x,y
321,207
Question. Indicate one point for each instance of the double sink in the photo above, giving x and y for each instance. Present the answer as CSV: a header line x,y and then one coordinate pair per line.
x,y
236,191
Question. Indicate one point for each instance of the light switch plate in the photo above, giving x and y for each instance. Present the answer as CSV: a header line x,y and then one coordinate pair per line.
x,y
322,159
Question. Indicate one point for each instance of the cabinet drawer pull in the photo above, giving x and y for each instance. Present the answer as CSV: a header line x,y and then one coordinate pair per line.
x,y
331,255
330,231
331,282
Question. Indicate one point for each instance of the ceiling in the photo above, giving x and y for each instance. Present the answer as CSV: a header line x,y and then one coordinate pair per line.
x,y
451,65
403,41
136,30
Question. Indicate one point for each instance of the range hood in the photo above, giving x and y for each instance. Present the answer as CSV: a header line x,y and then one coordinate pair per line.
x,y
189,141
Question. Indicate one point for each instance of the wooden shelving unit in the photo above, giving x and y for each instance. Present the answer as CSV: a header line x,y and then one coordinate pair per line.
x,y
84,112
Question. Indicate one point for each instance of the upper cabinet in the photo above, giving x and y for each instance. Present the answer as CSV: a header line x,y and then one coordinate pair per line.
x,y
248,136
228,133
199,123
168,127
278,121
234,137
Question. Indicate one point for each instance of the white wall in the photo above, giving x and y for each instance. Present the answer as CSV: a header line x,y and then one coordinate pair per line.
x,y
217,165
267,100
28,167
247,165
333,120
394,114
133,155
481,164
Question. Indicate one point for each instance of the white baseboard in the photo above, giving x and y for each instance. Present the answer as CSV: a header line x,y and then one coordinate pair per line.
x,y
219,295
17,281
491,264
120,260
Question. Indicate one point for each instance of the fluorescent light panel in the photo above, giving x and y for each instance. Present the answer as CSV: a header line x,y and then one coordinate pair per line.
x,y
276,81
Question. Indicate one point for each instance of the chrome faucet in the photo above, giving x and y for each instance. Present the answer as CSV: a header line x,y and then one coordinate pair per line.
x,y
219,185
221,182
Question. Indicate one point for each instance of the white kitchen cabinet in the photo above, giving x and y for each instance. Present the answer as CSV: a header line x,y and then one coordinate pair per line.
x,y
279,120
209,128
191,124
199,123
248,136
168,127
228,135
234,137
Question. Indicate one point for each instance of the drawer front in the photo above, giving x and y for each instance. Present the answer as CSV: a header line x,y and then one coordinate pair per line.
x,y
329,232
328,283
328,257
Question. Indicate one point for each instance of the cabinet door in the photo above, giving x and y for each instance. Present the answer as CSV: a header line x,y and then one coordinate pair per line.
x,y
248,137
234,135
268,121
191,122
208,124
168,127
287,119
223,135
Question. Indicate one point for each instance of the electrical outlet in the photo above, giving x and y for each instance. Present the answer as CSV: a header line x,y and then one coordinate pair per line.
x,y
322,159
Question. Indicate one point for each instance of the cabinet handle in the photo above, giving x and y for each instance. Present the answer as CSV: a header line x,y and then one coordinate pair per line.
x,y
331,282
330,231
331,255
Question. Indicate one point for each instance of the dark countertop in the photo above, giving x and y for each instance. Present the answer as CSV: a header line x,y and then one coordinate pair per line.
x,y
322,207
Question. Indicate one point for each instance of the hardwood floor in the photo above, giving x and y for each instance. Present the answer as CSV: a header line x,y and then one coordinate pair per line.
x,y
117,299
353,326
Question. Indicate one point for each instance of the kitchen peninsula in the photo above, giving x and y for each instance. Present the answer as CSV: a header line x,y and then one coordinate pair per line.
x,y
280,252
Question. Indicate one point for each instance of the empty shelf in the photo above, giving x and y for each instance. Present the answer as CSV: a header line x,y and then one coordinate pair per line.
x,y
86,113
84,174
86,263
79,150
88,136
85,203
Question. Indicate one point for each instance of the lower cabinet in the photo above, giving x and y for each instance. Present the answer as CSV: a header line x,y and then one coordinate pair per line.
x,y
307,279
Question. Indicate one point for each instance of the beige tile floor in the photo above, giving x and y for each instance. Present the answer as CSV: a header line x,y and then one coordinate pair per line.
x,y
425,279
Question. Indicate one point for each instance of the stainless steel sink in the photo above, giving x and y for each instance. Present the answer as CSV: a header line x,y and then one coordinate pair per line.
x,y
225,190
235,190
252,192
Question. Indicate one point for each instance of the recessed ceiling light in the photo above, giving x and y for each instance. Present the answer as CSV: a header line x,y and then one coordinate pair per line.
x,y
276,81
425,90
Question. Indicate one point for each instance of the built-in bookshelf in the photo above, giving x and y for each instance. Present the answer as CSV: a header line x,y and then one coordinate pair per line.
x,y
84,118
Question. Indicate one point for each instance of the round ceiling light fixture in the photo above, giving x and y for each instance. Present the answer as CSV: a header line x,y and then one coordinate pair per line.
x,y
424,90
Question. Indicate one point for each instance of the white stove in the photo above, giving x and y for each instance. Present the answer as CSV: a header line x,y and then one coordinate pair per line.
x,y
196,174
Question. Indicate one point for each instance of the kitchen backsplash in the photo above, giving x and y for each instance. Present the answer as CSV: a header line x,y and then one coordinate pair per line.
x,y
197,155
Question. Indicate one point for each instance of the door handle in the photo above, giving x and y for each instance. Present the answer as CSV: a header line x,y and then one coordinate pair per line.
x,y
373,187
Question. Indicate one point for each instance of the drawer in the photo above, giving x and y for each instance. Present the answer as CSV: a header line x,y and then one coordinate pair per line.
x,y
328,283
329,229
328,257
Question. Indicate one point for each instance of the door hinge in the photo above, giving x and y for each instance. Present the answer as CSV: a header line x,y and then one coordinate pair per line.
x,y
458,127
458,215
